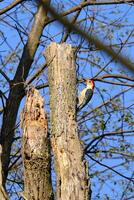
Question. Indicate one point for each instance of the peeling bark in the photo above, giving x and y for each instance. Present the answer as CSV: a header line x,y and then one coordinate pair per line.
x,y
71,170
36,149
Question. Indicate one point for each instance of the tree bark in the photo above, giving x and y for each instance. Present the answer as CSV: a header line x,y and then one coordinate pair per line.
x,y
17,87
36,149
3,194
71,170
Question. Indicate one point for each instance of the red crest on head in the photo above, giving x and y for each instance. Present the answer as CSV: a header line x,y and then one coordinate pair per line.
x,y
93,84
90,82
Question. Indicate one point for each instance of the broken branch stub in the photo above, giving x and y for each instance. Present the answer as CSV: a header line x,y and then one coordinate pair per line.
x,y
36,148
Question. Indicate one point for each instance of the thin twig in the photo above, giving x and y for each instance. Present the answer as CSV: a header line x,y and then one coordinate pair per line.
x,y
105,135
110,168
125,61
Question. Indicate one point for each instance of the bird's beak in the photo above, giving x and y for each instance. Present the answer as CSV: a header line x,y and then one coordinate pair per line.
x,y
84,79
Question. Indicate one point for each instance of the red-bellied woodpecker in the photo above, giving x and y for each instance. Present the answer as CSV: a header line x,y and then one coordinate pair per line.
x,y
86,94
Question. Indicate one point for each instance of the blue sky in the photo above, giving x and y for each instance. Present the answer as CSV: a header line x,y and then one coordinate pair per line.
x,y
102,28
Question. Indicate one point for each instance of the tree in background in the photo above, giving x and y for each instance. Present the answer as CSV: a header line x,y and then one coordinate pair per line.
x,y
106,124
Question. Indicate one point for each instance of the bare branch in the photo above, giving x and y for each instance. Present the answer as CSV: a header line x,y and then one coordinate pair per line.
x,y
103,104
10,6
115,83
111,151
110,168
125,61
115,133
73,20
115,76
89,3
37,73
5,76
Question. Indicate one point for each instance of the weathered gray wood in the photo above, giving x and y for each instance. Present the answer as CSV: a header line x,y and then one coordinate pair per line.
x,y
36,149
70,166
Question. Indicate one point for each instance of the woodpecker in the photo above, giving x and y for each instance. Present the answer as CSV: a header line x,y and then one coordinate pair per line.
x,y
86,94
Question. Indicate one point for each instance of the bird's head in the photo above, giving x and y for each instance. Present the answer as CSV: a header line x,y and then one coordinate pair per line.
x,y
90,83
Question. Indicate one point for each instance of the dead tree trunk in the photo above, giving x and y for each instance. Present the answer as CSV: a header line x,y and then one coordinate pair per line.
x,y
72,177
36,149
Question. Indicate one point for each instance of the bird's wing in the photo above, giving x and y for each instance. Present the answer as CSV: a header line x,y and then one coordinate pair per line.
x,y
88,95
85,97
